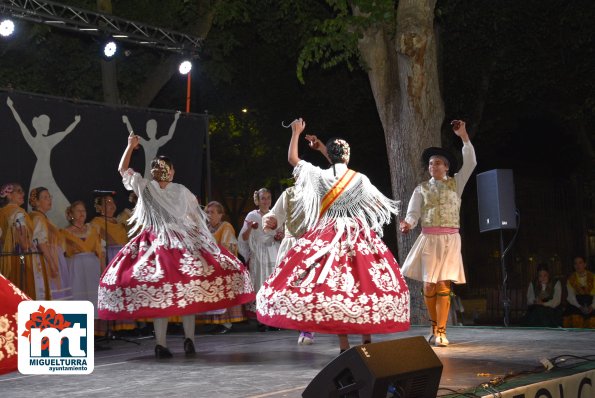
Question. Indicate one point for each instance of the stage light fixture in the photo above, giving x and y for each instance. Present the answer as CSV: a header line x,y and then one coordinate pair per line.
x,y
110,48
185,67
6,27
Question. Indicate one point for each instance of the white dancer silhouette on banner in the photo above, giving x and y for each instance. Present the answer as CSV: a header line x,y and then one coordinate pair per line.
x,y
42,144
152,145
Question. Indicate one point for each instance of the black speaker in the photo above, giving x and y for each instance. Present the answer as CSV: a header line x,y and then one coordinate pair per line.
x,y
405,368
495,197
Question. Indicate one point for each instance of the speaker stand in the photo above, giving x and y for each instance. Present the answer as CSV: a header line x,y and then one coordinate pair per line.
x,y
505,298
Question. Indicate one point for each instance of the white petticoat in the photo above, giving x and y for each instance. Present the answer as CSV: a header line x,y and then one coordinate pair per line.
x,y
435,257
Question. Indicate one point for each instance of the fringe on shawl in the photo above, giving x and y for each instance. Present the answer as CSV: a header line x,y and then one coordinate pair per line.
x,y
190,231
361,201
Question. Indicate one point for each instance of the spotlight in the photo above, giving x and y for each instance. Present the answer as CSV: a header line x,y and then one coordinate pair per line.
x,y
110,48
185,67
6,27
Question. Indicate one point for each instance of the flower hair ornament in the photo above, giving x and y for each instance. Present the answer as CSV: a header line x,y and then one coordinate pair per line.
x,y
6,189
33,196
161,171
341,149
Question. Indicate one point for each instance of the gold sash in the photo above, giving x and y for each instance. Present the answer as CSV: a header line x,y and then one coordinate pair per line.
x,y
336,190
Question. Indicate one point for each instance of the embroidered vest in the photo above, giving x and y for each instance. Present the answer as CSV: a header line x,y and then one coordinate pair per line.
x,y
546,294
441,204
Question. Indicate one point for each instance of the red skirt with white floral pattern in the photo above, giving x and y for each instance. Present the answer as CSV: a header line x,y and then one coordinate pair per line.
x,y
149,280
336,280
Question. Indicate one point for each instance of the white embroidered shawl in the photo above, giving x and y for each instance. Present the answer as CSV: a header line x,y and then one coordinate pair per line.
x,y
360,200
171,213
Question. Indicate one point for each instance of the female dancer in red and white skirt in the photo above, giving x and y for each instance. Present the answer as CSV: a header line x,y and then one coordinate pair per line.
x,y
172,266
340,277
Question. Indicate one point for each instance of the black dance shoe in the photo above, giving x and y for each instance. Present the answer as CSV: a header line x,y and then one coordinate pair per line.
x,y
189,347
162,352
220,329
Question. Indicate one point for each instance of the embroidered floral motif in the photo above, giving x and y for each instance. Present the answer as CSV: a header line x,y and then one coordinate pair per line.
x,y
147,271
7,336
195,265
321,308
383,276
178,295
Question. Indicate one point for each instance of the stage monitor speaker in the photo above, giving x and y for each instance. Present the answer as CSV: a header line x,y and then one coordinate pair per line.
x,y
495,197
404,368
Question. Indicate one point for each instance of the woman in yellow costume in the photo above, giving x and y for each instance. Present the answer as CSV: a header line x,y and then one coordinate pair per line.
x,y
580,311
116,235
50,243
224,235
19,262
83,252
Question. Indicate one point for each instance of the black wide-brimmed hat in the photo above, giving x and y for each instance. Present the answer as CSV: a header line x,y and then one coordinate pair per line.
x,y
453,164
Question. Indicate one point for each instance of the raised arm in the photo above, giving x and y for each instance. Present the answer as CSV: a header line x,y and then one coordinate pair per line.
x,y
316,144
127,123
161,141
297,128
24,129
469,160
55,138
125,161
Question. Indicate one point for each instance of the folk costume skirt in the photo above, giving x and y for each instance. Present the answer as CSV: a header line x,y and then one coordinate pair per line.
x,y
435,257
337,279
151,280
10,297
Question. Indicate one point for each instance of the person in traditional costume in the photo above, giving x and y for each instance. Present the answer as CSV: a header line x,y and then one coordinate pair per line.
x,y
116,233
84,256
225,236
281,214
544,296
50,242
580,311
173,266
20,261
257,247
339,277
125,214
114,236
435,257
10,296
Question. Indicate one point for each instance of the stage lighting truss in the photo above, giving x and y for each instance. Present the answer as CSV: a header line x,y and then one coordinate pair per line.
x,y
95,23
6,27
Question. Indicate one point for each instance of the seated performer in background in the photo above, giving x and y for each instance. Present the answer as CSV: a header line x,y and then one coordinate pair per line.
x,y
580,312
543,300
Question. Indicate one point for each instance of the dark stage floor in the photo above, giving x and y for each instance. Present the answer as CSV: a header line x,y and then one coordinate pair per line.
x,y
245,363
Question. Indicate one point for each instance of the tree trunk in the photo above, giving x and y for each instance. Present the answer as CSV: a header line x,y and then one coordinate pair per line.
x,y
403,74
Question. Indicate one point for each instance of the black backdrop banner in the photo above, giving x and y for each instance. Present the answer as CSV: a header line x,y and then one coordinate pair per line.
x,y
74,147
